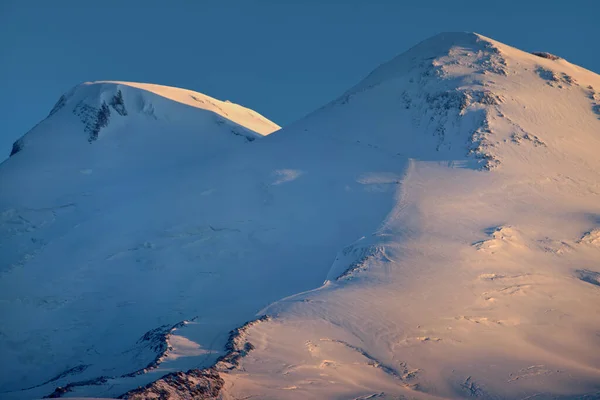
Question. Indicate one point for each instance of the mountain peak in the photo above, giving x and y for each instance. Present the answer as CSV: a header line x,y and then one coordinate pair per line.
x,y
111,92
488,56
446,40
422,55
139,227
94,109
461,93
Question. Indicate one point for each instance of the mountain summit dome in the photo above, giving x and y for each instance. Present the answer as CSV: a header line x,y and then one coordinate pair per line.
x,y
433,233
97,109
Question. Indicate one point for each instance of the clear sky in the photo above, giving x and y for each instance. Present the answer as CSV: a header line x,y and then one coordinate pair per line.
x,y
281,58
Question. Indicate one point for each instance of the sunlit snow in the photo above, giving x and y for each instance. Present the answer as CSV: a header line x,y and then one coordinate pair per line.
x,y
433,233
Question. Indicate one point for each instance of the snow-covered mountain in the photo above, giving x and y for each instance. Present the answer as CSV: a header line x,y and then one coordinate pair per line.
x,y
432,233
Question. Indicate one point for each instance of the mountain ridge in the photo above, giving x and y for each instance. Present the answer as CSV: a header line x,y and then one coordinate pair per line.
x,y
93,103
451,209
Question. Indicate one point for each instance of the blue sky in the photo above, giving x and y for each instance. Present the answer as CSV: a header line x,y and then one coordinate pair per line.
x,y
280,58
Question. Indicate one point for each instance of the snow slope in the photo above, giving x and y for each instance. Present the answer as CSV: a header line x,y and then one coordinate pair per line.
x,y
449,202
112,248
78,204
477,283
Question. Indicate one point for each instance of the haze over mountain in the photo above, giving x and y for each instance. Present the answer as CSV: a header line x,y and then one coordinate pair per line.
x,y
432,233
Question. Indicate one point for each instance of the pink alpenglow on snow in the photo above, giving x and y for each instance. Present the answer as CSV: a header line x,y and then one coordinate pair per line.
x,y
433,233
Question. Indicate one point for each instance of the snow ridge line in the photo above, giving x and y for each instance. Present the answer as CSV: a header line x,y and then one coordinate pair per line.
x,y
369,253
75,370
405,374
204,383
158,341
377,251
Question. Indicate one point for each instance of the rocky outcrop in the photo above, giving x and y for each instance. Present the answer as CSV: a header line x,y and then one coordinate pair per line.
x,y
93,118
205,384
543,54
201,384
16,147
589,276
59,105
157,340
62,390
118,104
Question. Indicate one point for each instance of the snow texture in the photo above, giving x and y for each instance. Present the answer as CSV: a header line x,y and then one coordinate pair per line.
x,y
433,233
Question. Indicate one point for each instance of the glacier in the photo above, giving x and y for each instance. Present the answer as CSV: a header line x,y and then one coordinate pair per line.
x,y
432,233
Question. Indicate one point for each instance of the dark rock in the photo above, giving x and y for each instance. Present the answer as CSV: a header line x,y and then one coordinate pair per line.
x,y
60,391
198,384
16,147
59,104
589,276
93,118
118,104
156,341
543,54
